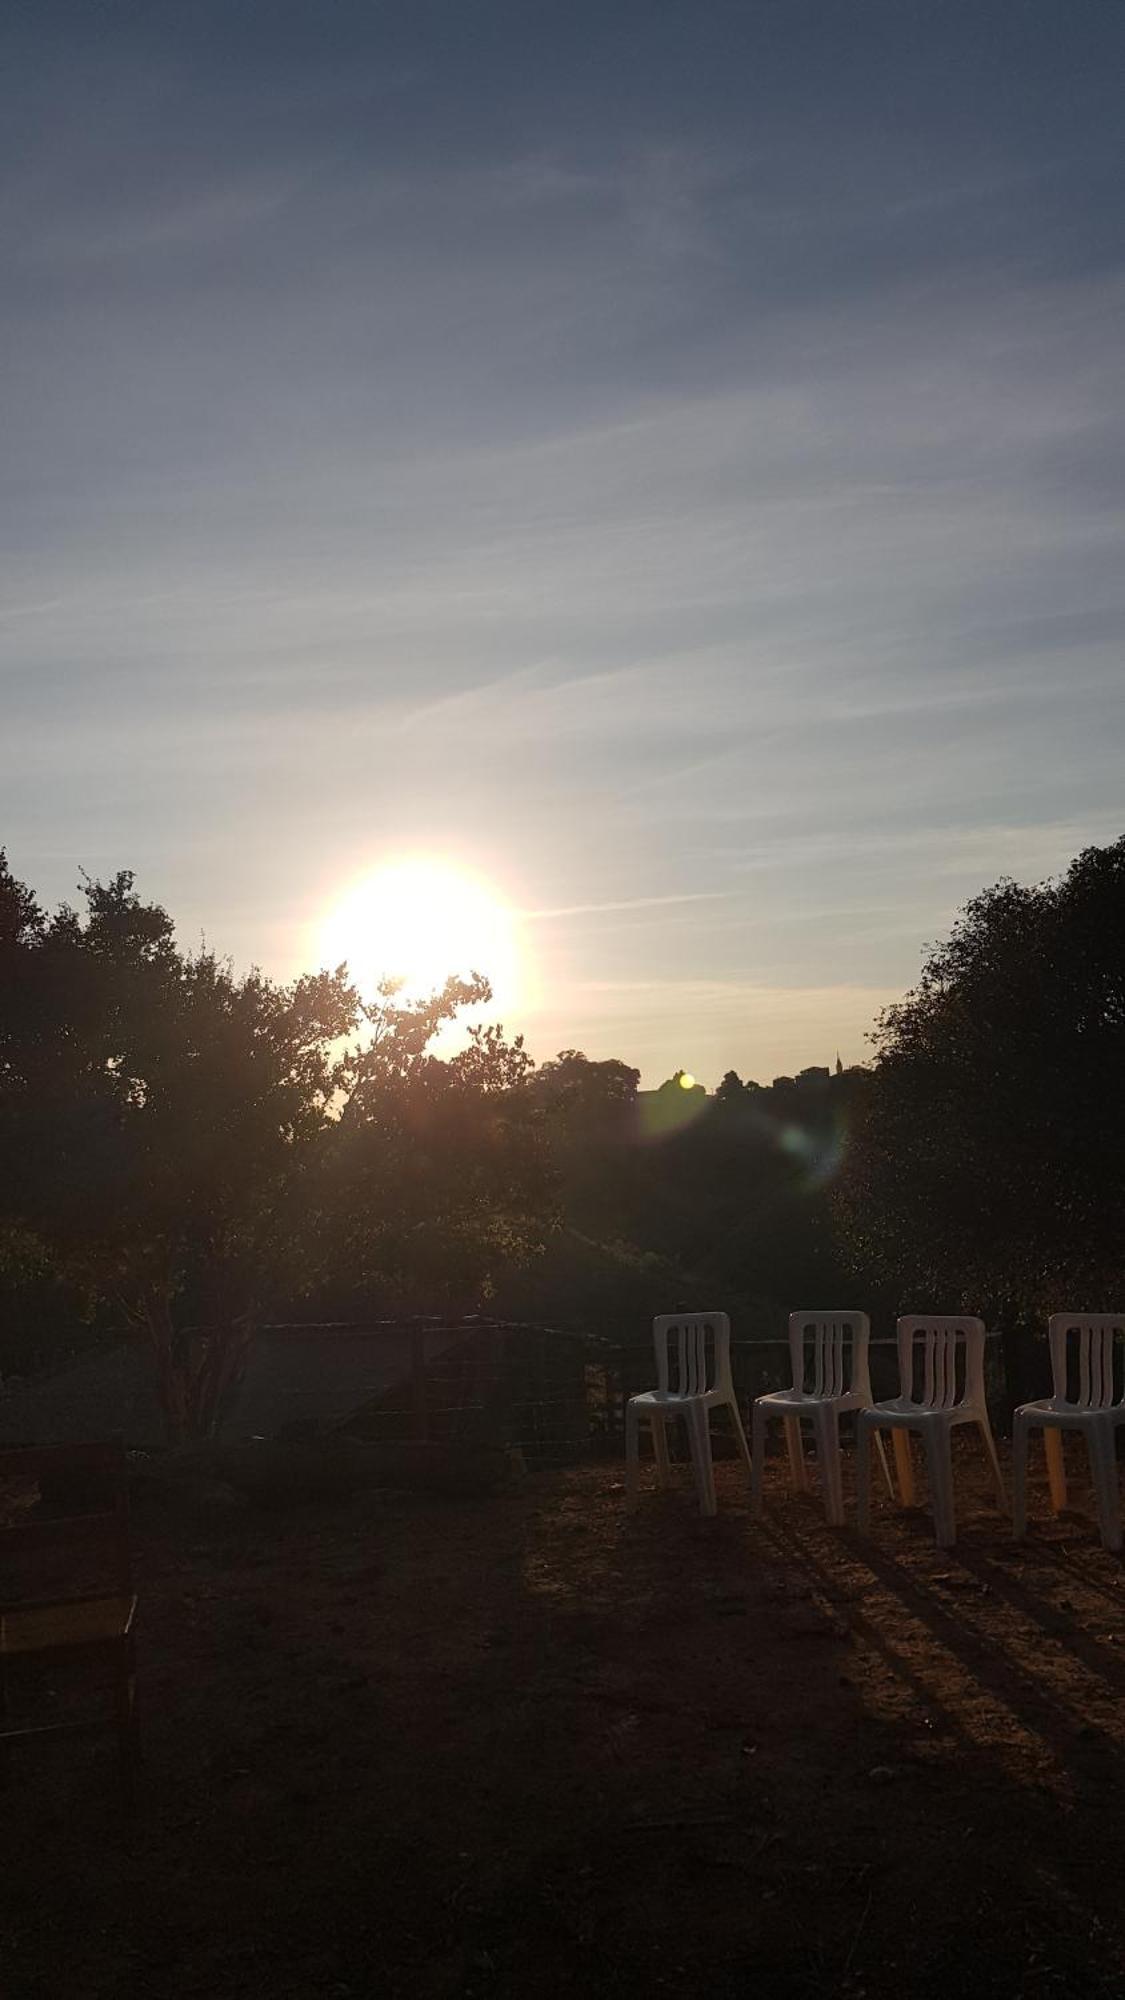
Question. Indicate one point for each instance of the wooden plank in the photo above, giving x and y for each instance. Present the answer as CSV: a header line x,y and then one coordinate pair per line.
x,y
86,1727
419,1387
32,1461
61,1531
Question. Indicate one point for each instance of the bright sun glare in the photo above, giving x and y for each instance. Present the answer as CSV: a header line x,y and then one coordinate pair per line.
x,y
418,921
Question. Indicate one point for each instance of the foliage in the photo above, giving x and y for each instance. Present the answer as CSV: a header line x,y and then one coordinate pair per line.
x,y
196,1146
581,1093
986,1167
725,1201
159,1118
738,1198
439,1174
593,1286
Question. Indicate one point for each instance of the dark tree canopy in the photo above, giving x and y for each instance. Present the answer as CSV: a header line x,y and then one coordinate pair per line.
x,y
197,1147
731,1089
158,1121
438,1172
986,1167
576,1088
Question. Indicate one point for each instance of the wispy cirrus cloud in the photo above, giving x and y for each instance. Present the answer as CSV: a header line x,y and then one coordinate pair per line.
x,y
626,903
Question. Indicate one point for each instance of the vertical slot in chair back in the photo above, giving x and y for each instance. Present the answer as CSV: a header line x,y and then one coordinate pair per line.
x,y
692,1353
829,1353
941,1361
1088,1359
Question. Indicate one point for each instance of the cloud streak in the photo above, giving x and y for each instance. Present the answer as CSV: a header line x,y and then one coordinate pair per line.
x,y
628,903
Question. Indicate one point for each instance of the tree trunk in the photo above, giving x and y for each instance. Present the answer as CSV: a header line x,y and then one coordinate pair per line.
x,y
197,1369
221,1361
156,1316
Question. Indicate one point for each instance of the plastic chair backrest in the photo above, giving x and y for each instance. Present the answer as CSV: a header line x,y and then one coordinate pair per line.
x,y
692,1353
952,1360
1089,1343
835,1344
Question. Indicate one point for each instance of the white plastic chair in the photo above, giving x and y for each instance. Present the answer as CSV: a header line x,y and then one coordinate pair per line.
x,y
952,1392
828,1351
1092,1342
693,1378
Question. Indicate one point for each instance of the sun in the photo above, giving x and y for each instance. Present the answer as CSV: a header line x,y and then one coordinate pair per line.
x,y
418,921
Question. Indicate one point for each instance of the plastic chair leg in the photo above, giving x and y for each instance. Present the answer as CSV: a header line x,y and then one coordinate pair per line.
x,y
882,1451
699,1434
632,1452
660,1450
904,1467
1020,1431
826,1430
939,1465
740,1436
757,1454
798,1471
1103,1465
863,1431
1056,1466
985,1429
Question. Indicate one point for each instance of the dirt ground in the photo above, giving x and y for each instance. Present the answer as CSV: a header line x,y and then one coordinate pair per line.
x,y
540,1745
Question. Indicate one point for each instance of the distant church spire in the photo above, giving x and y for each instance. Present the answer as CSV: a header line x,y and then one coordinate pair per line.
x,y
839,1064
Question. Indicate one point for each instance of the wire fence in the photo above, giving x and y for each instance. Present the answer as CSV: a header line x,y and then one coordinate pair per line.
x,y
549,1392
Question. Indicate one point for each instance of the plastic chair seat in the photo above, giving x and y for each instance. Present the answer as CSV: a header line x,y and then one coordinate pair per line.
x,y
902,1414
51,1628
672,1399
798,1400
1069,1416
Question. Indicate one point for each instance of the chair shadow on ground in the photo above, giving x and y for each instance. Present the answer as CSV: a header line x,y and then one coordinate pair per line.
x,y
1034,1697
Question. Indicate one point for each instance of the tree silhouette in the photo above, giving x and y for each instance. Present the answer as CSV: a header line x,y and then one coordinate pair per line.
x,y
731,1089
159,1120
438,1171
196,1146
986,1167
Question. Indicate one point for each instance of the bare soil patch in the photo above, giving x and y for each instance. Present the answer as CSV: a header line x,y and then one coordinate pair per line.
x,y
536,1744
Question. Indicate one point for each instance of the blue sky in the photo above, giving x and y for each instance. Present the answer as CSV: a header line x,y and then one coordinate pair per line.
x,y
666,459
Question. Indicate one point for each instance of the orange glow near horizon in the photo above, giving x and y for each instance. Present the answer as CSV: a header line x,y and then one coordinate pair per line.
x,y
419,920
